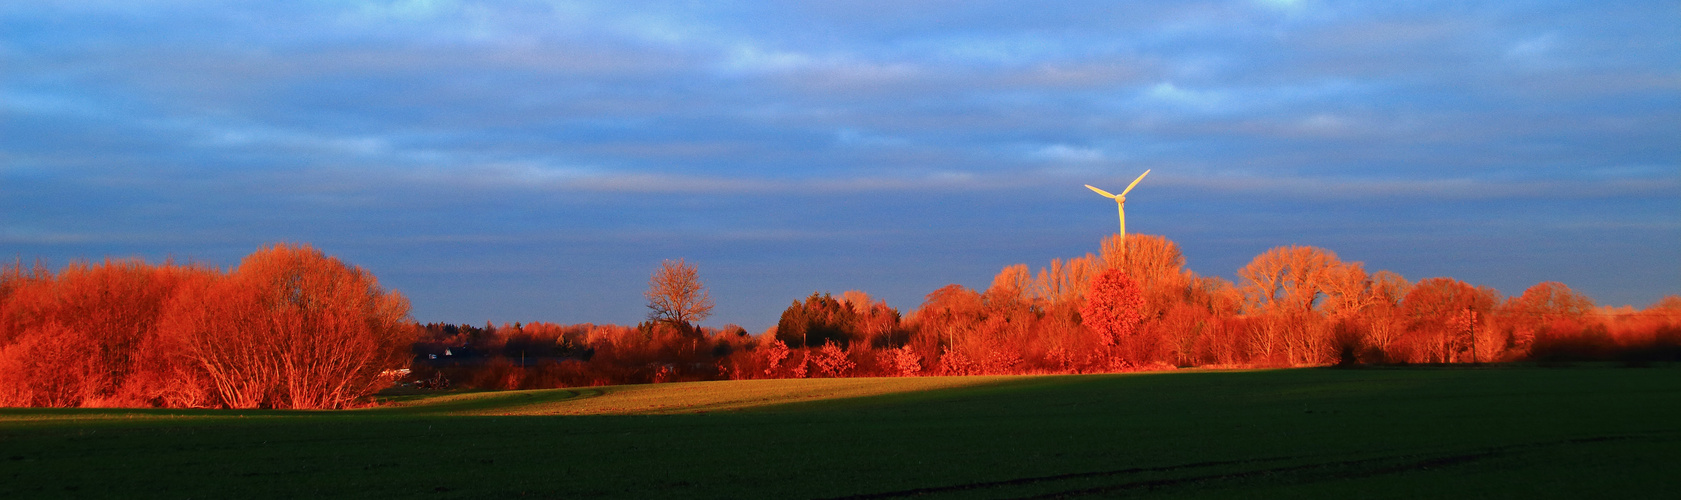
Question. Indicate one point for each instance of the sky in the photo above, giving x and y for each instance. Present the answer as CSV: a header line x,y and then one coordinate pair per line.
x,y
536,161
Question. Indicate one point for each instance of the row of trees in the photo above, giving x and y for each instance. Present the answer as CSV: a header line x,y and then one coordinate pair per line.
x,y
1130,307
288,328
293,328
1136,306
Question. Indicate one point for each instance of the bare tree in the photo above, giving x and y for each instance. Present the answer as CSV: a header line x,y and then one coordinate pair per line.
x,y
676,295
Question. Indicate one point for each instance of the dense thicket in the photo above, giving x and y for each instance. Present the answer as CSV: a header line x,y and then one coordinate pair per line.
x,y
288,328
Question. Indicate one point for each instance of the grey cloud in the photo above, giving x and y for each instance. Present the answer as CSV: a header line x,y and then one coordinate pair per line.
x,y
581,140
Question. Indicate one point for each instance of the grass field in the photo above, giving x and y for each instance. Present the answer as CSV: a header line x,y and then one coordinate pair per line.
x,y
1373,433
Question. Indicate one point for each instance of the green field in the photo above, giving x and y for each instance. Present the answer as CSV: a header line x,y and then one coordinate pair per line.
x,y
1372,433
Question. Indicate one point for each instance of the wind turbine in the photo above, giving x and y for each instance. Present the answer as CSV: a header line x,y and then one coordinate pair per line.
x,y
1121,201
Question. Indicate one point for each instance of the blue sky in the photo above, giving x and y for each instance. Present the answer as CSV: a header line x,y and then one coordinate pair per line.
x,y
534,161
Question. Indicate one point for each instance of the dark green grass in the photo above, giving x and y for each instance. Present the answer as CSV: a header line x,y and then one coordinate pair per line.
x,y
1375,433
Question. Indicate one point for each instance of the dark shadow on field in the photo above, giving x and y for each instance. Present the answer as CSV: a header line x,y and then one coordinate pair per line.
x,y
1381,422
1232,473
1317,433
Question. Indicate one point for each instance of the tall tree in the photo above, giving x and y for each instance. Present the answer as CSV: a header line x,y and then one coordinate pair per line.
x,y
1283,289
1287,279
676,295
1382,317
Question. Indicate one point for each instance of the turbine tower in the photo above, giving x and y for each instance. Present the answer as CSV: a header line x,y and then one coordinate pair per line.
x,y
1121,201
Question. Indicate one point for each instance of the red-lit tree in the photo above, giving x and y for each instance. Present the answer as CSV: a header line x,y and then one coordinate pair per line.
x,y
903,361
1443,315
830,361
292,328
1113,308
676,295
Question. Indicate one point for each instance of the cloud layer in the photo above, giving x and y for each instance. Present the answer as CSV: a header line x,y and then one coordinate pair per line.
x,y
535,160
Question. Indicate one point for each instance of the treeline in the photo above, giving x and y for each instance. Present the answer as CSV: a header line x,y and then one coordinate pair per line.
x,y
293,328
1292,306
1135,308
288,328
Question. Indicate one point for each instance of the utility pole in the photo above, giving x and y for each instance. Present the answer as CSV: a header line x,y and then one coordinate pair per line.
x,y
1471,324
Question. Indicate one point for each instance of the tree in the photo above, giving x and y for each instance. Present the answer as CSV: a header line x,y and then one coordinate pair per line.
x,y
1154,262
1011,285
1551,301
49,366
1284,289
770,355
1064,282
819,319
874,323
676,295
903,361
291,328
103,316
831,361
1442,315
1382,316
1548,308
1113,307
950,314
1287,279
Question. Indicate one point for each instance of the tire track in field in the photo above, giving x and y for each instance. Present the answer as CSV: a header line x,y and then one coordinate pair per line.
x,y
1341,469
1050,478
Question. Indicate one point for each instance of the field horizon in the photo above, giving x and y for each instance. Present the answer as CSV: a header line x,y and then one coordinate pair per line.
x,y
1502,431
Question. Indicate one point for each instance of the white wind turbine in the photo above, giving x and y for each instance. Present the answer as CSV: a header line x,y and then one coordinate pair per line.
x,y
1121,201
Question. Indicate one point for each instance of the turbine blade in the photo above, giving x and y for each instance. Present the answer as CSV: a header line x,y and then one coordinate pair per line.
x,y
1135,182
1100,191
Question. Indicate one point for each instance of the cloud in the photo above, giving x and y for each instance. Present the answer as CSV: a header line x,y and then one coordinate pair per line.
x,y
1167,92
852,137
407,9
1067,153
174,124
1459,188
1283,5
1533,48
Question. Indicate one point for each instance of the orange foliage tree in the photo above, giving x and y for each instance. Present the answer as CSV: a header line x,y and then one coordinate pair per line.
x,y
1283,288
1547,307
291,328
1444,316
1114,307
104,316
676,295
